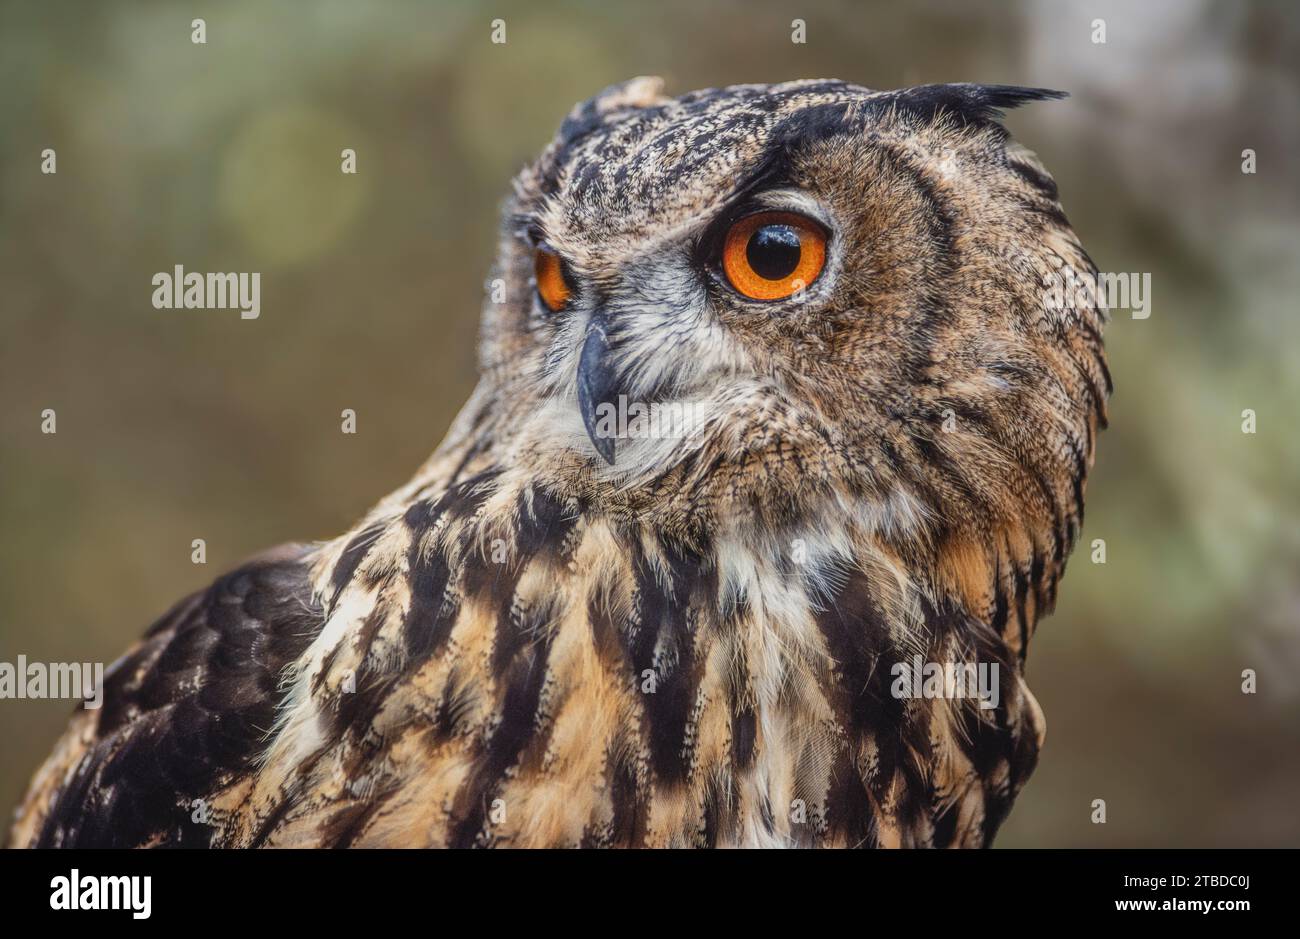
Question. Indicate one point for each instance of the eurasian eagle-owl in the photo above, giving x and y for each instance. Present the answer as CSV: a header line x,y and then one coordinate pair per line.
x,y
773,404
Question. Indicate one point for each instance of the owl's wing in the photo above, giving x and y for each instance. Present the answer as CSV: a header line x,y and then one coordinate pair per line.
x,y
183,713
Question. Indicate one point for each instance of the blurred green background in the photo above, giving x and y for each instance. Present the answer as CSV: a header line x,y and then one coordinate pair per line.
x,y
175,424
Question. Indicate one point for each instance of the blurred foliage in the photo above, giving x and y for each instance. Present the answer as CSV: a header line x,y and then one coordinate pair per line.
x,y
177,424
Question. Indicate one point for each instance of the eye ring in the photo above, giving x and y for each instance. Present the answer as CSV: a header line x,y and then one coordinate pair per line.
x,y
552,282
772,255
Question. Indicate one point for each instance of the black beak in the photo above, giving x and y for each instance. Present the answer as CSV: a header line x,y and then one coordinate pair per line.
x,y
597,385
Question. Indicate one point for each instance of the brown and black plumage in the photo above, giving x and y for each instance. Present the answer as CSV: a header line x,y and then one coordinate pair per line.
x,y
554,636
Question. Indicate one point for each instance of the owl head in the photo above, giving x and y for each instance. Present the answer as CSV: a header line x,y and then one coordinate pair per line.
x,y
729,307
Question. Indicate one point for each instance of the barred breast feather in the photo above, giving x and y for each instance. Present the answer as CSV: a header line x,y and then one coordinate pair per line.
x,y
492,664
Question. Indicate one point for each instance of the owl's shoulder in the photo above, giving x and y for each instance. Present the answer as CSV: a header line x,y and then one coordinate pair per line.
x,y
180,714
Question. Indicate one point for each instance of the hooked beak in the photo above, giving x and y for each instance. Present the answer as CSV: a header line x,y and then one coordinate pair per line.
x,y
597,385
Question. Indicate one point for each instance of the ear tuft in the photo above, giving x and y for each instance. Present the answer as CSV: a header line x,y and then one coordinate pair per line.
x,y
969,103
633,94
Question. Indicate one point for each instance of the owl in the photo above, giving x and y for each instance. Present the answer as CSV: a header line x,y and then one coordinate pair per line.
x,y
775,461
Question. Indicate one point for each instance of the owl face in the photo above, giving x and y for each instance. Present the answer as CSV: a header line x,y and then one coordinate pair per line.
x,y
766,292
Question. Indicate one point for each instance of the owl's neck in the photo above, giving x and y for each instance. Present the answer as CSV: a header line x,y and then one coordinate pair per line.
x,y
763,659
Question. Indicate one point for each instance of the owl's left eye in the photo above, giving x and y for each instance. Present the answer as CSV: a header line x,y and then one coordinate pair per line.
x,y
552,284
771,255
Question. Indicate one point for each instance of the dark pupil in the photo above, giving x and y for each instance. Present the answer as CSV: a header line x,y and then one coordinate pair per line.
x,y
773,251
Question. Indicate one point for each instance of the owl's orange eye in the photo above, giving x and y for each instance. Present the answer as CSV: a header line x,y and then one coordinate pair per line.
x,y
771,255
551,283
